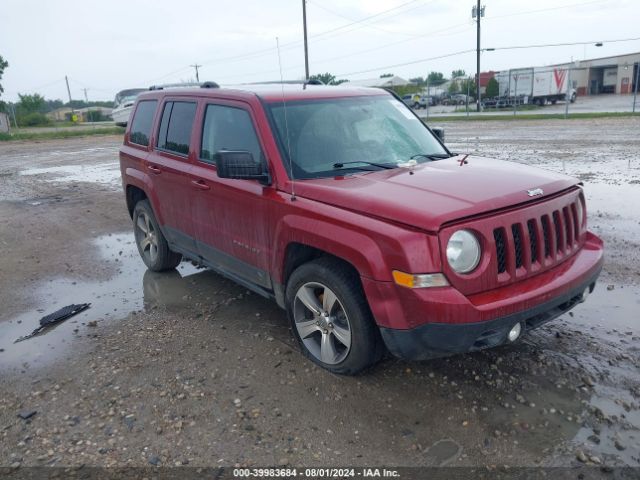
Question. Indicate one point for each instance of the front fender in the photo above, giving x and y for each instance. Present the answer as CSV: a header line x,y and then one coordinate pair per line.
x,y
354,247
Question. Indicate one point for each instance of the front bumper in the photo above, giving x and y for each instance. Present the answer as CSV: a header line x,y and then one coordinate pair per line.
x,y
433,322
434,340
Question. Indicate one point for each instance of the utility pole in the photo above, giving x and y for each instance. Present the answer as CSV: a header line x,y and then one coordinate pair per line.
x,y
73,112
306,51
477,12
635,88
196,66
515,95
428,97
13,112
86,99
567,97
468,92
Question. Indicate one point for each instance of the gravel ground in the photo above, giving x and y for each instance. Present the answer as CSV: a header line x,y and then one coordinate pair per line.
x,y
190,369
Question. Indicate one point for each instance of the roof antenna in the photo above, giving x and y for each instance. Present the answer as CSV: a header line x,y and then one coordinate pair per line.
x,y
286,127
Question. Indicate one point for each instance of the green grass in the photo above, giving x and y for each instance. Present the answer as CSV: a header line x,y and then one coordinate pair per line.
x,y
530,116
63,133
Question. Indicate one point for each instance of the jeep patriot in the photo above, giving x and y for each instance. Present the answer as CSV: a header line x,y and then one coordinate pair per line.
x,y
344,207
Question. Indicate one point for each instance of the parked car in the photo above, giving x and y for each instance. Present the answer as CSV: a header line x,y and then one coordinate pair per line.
x,y
415,101
457,99
349,212
490,102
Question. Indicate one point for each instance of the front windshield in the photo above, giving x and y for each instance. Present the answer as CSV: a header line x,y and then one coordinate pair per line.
x,y
330,137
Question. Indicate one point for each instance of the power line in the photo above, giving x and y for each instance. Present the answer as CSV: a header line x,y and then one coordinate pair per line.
x,y
568,44
581,4
461,52
394,32
264,51
356,24
387,45
360,52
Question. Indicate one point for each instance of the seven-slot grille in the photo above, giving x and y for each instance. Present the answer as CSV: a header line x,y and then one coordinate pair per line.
x,y
544,239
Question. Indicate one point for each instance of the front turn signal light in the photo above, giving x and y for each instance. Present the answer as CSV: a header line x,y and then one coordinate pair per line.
x,y
424,280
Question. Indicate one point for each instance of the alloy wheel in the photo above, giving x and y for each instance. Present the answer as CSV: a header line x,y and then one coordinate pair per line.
x,y
322,323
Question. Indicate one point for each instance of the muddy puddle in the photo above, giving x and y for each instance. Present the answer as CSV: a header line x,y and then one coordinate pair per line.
x,y
102,173
132,288
609,313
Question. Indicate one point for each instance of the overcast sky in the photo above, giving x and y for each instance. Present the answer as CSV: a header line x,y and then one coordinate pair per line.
x,y
106,46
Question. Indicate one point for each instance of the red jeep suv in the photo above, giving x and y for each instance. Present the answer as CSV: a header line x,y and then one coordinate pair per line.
x,y
340,204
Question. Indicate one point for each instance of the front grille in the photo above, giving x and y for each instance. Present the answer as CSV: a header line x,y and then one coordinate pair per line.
x,y
558,229
541,240
533,240
517,243
501,249
546,229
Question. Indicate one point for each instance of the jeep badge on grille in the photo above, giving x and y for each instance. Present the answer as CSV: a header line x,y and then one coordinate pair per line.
x,y
535,192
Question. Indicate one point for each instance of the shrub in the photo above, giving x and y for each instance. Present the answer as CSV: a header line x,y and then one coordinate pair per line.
x,y
33,119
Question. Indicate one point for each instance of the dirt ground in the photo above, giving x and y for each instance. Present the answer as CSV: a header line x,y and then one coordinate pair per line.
x,y
188,368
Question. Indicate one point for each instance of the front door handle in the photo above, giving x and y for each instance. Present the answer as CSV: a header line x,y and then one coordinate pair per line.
x,y
200,184
154,169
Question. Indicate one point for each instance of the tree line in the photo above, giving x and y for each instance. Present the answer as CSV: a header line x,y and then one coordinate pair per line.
x,y
31,109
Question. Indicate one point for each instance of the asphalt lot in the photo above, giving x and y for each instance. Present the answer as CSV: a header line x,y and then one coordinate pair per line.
x,y
188,368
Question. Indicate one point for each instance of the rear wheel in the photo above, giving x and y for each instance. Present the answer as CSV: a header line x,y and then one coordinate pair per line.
x,y
152,245
330,317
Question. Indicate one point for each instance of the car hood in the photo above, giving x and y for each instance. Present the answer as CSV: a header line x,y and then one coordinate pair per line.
x,y
433,193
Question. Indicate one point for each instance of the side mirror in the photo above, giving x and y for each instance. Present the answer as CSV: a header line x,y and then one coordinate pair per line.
x,y
438,132
240,164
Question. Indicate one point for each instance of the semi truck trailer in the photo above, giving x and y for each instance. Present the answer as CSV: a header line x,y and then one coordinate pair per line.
x,y
539,85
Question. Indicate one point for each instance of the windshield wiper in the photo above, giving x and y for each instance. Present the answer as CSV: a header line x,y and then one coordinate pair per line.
x,y
431,156
380,165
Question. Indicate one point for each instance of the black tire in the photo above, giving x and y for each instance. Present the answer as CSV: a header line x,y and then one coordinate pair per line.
x,y
367,346
164,258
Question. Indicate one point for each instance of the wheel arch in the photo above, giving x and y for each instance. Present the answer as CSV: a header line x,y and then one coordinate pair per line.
x,y
134,194
299,240
297,254
138,186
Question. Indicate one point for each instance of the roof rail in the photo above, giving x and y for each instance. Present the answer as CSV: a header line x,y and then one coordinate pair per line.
x,y
176,85
287,82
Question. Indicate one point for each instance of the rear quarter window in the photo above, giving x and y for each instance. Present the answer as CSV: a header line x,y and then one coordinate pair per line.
x,y
141,124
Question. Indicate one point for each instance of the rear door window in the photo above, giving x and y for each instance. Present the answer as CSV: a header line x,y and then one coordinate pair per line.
x,y
142,120
228,128
175,127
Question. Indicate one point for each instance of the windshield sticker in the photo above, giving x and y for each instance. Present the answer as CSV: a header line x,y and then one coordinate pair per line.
x,y
403,109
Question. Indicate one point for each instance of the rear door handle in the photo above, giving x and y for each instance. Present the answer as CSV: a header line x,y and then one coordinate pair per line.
x,y
200,184
154,169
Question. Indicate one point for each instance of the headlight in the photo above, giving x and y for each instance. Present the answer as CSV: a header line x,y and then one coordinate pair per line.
x,y
463,251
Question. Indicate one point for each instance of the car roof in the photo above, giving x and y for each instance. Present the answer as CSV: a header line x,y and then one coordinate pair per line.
x,y
269,92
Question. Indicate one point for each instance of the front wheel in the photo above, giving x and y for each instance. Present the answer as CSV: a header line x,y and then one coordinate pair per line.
x,y
152,245
330,317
